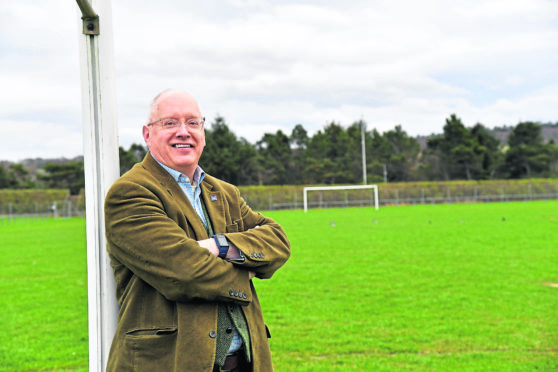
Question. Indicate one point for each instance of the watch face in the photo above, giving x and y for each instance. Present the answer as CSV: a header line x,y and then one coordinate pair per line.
x,y
222,241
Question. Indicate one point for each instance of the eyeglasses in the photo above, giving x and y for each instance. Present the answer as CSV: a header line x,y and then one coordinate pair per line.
x,y
173,123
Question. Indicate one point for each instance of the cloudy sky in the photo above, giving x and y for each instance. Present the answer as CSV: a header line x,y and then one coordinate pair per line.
x,y
266,65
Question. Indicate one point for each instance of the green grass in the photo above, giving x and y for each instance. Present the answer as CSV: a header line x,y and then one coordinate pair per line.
x,y
424,288
43,295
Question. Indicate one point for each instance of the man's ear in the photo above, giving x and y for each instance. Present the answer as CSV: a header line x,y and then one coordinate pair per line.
x,y
145,132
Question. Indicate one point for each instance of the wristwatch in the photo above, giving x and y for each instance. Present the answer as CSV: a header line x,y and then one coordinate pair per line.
x,y
222,244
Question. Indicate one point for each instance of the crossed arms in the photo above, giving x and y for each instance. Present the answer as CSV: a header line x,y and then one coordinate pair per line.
x,y
149,236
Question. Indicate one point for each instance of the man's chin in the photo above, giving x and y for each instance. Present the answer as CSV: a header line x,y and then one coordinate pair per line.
x,y
185,163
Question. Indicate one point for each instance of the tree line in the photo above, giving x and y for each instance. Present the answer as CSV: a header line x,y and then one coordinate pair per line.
x,y
333,155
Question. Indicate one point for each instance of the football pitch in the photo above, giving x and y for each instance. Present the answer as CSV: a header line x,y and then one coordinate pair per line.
x,y
468,287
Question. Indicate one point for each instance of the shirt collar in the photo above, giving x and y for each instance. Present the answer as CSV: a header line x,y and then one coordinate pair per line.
x,y
199,174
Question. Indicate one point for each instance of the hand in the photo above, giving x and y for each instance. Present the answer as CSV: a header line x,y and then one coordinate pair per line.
x,y
210,245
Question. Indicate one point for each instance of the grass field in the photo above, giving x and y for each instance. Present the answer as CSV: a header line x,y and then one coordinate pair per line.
x,y
43,287
419,288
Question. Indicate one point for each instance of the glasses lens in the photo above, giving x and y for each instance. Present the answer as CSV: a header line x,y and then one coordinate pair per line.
x,y
194,123
170,123
173,123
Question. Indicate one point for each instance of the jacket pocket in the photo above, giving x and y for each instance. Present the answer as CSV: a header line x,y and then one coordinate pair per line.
x,y
152,349
233,227
151,332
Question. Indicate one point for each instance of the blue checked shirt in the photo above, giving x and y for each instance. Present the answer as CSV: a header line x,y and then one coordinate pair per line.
x,y
192,191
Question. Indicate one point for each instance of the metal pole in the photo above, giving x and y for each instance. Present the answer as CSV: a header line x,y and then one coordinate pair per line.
x,y
101,167
376,199
363,145
385,173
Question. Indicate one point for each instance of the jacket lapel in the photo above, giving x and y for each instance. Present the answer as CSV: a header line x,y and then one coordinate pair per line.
x,y
215,205
174,190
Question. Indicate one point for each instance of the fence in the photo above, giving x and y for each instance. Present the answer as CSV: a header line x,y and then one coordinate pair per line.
x,y
413,194
291,197
69,207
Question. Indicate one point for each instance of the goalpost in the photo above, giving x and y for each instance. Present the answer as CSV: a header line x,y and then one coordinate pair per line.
x,y
100,151
325,188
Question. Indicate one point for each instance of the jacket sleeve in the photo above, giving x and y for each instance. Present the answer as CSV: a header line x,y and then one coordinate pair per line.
x,y
262,241
143,240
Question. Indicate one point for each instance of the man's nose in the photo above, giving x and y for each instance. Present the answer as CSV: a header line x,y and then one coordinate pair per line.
x,y
182,130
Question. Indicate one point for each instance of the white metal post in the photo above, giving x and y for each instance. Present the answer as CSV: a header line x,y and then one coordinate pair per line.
x,y
324,188
100,147
363,146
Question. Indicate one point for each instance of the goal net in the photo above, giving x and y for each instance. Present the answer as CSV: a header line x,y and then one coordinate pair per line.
x,y
373,195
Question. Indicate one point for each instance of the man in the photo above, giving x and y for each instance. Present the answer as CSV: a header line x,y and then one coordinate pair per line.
x,y
184,247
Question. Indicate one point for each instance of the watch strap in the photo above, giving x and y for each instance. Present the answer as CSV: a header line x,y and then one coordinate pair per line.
x,y
222,244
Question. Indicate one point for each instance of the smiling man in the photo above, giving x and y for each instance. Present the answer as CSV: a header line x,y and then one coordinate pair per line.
x,y
172,144
185,247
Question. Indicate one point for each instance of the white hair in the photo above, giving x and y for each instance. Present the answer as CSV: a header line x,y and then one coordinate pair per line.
x,y
155,102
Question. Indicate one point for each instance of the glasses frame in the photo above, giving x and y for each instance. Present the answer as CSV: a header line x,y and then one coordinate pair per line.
x,y
200,123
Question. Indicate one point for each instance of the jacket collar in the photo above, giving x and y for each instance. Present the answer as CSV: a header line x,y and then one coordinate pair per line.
x,y
212,197
215,204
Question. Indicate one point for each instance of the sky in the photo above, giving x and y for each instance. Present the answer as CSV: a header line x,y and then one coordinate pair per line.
x,y
267,65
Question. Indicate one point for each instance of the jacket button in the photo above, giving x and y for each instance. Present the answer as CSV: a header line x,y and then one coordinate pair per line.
x,y
231,292
212,334
229,330
244,296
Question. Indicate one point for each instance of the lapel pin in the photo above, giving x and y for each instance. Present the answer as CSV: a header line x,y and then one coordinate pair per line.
x,y
213,197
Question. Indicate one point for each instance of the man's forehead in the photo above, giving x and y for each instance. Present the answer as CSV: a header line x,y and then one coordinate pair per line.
x,y
176,102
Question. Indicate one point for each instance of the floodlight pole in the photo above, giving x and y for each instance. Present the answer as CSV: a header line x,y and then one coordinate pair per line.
x,y
101,165
363,145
